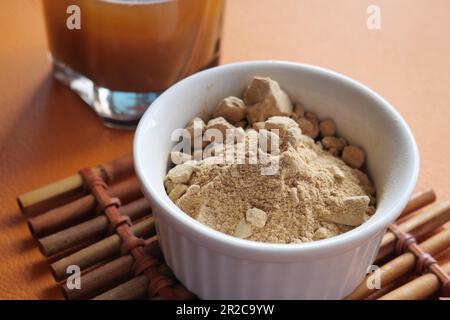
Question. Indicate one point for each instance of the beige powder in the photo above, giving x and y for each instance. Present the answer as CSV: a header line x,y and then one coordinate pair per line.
x,y
303,201
318,191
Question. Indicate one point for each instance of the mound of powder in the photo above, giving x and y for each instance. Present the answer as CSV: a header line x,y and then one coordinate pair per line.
x,y
316,191
314,195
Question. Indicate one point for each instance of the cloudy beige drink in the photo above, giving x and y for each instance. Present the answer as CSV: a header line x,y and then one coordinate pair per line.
x,y
135,46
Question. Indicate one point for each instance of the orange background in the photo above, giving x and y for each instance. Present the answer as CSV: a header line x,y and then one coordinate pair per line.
x,y
46,132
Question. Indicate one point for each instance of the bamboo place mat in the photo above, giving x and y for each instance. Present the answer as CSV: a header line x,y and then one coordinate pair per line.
x,y
98,224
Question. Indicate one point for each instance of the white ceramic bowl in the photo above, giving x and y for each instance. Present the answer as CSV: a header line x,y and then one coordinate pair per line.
x,y
214,265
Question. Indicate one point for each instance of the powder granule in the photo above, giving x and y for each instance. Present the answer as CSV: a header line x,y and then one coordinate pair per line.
x,y
326,190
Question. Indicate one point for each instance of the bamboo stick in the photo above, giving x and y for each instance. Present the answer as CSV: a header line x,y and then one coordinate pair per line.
x,y
418,226
137,288
110,171
89,230
119,168
133,289
52,195
93,283
419,200
80,209
391,286
111,273
100,251
401,265
417,289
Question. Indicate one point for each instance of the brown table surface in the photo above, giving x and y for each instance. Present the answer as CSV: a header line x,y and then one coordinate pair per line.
x,y
46,132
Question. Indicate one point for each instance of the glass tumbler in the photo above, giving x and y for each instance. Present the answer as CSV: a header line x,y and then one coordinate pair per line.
x,y
119,55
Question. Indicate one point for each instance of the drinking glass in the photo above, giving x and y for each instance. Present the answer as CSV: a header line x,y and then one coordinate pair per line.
x,y
119,55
